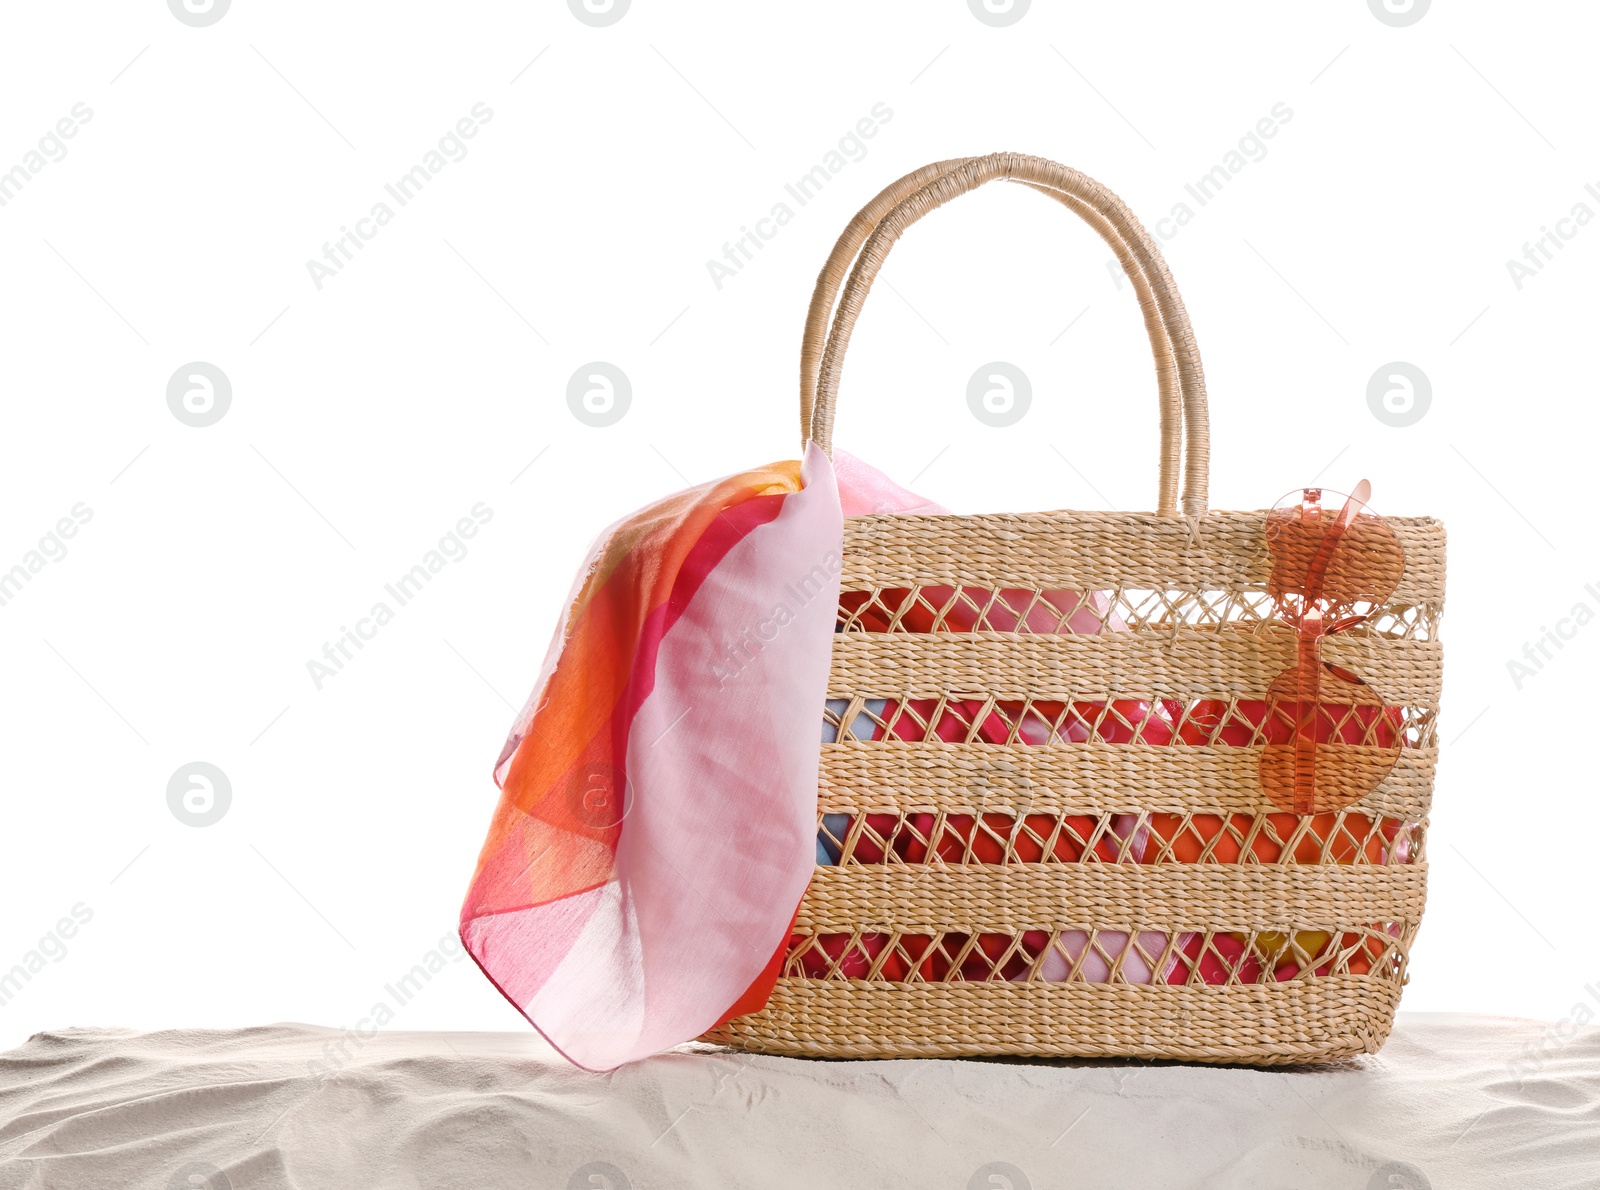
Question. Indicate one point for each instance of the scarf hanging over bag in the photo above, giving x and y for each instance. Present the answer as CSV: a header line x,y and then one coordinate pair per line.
x,y
657,820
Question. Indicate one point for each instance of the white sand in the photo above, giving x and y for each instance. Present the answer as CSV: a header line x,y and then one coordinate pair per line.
x,y
114,1109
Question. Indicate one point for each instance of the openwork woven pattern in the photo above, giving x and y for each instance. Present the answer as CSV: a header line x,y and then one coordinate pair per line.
x,y
1044,813
963,864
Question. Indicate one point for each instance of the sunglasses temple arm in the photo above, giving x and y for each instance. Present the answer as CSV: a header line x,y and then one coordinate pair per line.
x,y
1308,704
1331,539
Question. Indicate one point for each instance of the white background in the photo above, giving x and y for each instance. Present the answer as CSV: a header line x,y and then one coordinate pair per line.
x,y
430,374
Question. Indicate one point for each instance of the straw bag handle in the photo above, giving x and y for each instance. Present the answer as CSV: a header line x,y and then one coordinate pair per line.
x,y
820,313
1168,324
866,221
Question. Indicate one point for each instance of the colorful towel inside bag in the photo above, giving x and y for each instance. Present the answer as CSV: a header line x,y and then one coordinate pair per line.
x,y
657,818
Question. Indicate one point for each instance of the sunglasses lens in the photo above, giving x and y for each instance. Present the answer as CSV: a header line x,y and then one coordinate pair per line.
x,y
1330,740
1333,554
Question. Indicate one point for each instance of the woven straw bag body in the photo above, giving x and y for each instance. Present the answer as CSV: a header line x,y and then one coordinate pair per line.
x,y
1121,886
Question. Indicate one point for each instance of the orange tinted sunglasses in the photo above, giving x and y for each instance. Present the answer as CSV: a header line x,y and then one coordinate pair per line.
x,y
1332,569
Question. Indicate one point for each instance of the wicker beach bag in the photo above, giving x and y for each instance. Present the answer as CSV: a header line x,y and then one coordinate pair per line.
x,y
1117,883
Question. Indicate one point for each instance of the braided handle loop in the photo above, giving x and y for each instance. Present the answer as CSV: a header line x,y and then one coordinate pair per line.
x,y
1185,437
